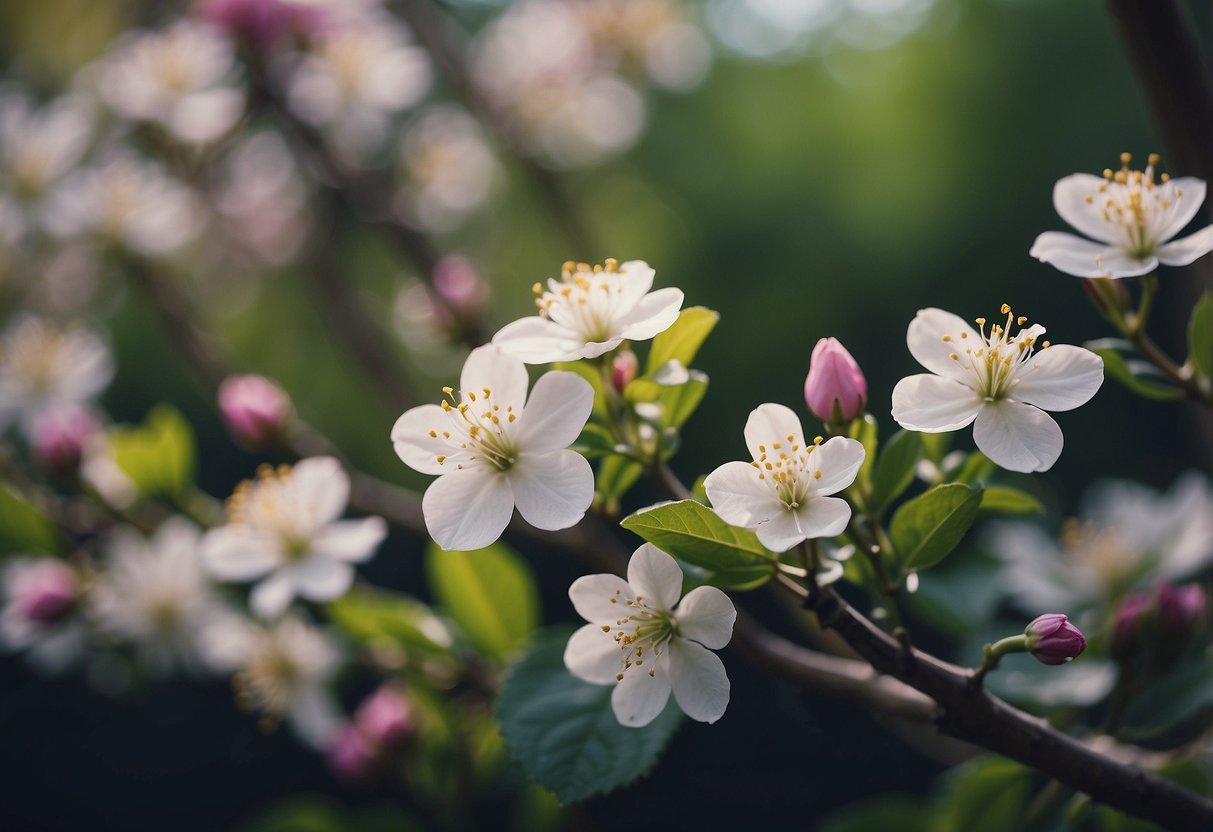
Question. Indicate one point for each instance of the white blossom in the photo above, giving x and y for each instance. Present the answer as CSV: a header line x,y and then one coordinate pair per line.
x,y
648,644
1000,381
783,494
494,449
590,311
39,146
40,615
449,169
1131,220
284,528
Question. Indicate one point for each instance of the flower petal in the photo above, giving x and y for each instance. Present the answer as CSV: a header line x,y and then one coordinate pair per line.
x,y
635,280
823,516
739,497
1070,198
235,555
639,698
838,460
352,541
557,410
701,686
536,340
1083,258
769,423
1184,251
1061,377
271,597
505,375
468,509
655,313
591,596
1191,195
931,404
925,338
1018,437
781,532
420,451
655,577
706,615
552,490
322,579
321,488
593,656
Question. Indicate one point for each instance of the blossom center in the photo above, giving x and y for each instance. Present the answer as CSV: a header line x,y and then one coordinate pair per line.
x,y
993,363
642,633
1135,205
787,466
587,299
34,357
477,429
267,505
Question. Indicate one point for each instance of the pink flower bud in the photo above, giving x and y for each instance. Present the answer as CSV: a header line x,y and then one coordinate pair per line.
x,y
459,286
386,718
624,369
1181,609
1052,639
835,386
261,22
60,436
1129,623
351,757
45,592
256,410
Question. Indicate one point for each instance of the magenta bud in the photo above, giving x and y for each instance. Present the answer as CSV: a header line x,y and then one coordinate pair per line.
x,y
350,756
1052,639
386,718
1129,622
261,22
623,369
60,436
459,286
47,592
255,409
1181,609
835,387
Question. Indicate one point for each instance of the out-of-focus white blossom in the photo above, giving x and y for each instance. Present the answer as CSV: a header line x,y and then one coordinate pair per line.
x,y
45,368
355,78
125,201
449,169
182,79
59,436
429,318
154,593
39,146
261,200
41,612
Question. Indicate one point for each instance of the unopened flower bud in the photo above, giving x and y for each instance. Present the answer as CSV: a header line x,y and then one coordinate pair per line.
x,y
835,389
1181,609
624,369
255,409
459,286
386,718
261,22
1052,639
60,437
350,756
46,593
1129,623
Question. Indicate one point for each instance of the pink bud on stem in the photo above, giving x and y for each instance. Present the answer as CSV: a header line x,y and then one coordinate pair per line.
x,y
835,388
255,409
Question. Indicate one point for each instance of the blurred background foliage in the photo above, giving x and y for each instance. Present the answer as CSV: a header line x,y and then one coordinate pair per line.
x,y
842,165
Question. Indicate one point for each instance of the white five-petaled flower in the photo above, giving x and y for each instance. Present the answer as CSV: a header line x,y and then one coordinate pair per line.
x,y
1131,219
495,450
637,640
784,493
284,525
590,311
999,380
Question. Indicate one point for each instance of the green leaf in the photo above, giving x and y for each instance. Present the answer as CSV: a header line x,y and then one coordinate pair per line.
x,y
317,814
975,468
1200,335
616,474
1138,376
1002,499
895,467
489,592
377,617
1178,695
989,794
864,429
678,403
927,528
682,340
563,730
594,441
158,455
694,533
23,527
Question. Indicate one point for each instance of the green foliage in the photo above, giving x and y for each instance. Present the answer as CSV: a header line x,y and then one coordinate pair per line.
x,y
563,730
1200,335
158,456
595,441
490,594
865,430
959,595
881,814
681,342
23,527
694,533
1170,700
1138,376
895,467
589,371
317,814
616,474
989,794
976,467
1003,499
379,617
926,529
679,402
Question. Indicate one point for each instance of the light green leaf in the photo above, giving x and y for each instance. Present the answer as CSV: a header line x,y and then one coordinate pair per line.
x,y
1200,335
678,403
490,594
926,529
377,616
864,429
694,533
595,441
1002,499
683,339
616,474
158,455
563,730
895,467
1139,377
975,468
24,528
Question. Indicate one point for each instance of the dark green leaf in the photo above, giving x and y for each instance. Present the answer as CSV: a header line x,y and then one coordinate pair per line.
x,y
682,340
489,592
1002,499
1138,376
989,794
595,441
616,474
927,528
563,730
895,467
975,468
881,814
24,528
694,533
1200,335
